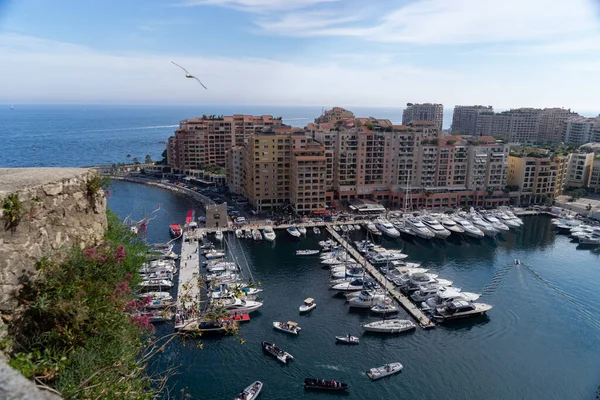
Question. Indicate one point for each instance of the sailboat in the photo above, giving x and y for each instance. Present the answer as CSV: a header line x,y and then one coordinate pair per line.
x,y
388,325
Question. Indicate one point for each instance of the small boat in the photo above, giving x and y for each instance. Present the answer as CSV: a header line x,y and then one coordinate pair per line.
x,y
357,227
175,230
308,305
336,228
213,254
239,233
248,233
269,234
219,235
344,228
157,283
288,327
372,229
256,235
348,339
390,326
384,308
302,230
307,252
316,230
383,371
460,309
251,392
324,384
276,352
292,230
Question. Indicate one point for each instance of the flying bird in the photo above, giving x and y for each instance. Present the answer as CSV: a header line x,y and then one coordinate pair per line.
x,y
188,75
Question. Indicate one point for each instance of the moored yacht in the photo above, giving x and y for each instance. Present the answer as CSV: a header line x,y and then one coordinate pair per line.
x,y
256,235
387,228
389,326
237,305
470,229
302,230
219,235
506,220
269,233
451,225
366,299
460,309
418,228
434,226
495,222
372,229
292,230
484,226
239,234
443,297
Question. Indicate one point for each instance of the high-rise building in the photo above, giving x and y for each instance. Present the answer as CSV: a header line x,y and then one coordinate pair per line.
x,y
519,125
594,185
551,124
424,112
535,177
578,170
202,142
580,130
472,120
235,169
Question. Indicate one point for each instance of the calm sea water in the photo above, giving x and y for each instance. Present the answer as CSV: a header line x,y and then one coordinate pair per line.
x,y
540,341
83,135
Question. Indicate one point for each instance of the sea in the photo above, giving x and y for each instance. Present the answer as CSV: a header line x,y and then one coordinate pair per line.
x,y
540,341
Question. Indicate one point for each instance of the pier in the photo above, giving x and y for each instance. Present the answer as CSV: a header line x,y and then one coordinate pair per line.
x,y
421,318
188,291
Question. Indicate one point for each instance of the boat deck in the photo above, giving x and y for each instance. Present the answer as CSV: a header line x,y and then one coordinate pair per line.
x,y
421,318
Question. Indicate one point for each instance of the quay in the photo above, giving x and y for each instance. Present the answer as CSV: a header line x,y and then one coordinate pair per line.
x,y
421,318
188,290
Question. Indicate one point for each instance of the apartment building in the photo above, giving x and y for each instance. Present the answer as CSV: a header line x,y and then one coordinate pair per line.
x,y
307,175
472,120
334,115
424,112
579,166
536,178
550,128
235,169
580,130
200,142
594,185
518,125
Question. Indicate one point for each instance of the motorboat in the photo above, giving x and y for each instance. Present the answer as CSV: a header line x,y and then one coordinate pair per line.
x,y
460,309
384,370
386,228
221,265
175,230
251,392
512,216
386,257
353,295
336,228
443,297
470,229
338,260
340,253
316,230
302,230
425,292
248,233
307,252
235,304
207,244
157,265
327,243
364,246
485,226
239,234
276,352
506,220
417,281
384,308
256,235
155,315
404,229
435,227
356,284
287,327
219,235
156,275
366,299
590,240
348,339
292,230
451,225
389,326
419,228
495,222
344,272
157,283
350,227
324,384
309,304
356,227
214,254
344,228
372,229
269,234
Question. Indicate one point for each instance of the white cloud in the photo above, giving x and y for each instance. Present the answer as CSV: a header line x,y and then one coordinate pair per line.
x,y
255,5
462,21
298,23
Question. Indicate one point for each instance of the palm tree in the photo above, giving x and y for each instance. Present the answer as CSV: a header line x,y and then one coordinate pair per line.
x,y
148,159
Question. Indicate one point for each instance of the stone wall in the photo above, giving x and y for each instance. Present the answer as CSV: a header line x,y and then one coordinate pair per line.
x,y
58,212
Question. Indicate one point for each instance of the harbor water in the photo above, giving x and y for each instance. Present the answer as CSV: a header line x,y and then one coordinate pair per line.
x,y
540,341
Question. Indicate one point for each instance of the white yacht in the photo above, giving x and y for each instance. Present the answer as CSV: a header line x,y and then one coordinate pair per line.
x,y
219,235
342,272
384,308
214,254
302,230
366,299
495,222
389,326
316,230
451,225
460,309
512,216
485,227
292,230
382,258
256,235
470,229
372,229
592,239
506,220
385,370
239,234
434,226
387,228
269,233
235,304
443,297
418,228
357,284
425,292
364,246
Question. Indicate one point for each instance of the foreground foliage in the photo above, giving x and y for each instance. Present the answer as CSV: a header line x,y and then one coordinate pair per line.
x,y
75,335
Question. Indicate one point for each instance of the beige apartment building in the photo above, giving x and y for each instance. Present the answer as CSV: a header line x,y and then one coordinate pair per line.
x,y
235,169
424,112
579,166
472,120
537,178
201,142
551,124
594,185
580,130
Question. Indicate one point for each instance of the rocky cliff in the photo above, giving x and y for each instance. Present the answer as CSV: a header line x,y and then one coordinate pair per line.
x,y
55,209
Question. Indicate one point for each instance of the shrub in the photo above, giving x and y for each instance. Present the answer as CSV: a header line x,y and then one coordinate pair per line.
x,y
13,211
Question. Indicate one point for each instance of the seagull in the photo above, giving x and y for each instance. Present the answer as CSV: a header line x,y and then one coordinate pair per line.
x,y
188,75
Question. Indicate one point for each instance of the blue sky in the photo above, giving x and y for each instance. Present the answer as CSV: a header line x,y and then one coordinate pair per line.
x,y
507,53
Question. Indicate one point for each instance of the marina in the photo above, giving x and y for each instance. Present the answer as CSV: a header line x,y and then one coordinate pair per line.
x,y
451,361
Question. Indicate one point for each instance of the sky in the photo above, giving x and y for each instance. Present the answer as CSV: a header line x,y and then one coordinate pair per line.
x,y
377,53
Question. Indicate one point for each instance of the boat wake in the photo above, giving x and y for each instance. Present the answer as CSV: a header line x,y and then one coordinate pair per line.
x,y
131,129
497,280
332,367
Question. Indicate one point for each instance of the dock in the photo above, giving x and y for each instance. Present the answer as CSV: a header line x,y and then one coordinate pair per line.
x,y
188,292
417,314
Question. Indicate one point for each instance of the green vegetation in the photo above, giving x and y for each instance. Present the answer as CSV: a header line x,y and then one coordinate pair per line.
x,y
148,159
97,183
12,211
577,194
450,142
164,160
74,334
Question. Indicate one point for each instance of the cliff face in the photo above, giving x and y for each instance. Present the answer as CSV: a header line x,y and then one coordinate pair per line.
x,y
57,211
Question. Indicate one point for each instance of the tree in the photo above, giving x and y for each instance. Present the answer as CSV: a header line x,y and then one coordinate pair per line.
x,y
164,160
136,160
128,155
148,159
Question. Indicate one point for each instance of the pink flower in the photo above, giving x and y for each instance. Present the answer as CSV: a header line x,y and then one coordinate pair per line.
x,y
89,253
128,277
